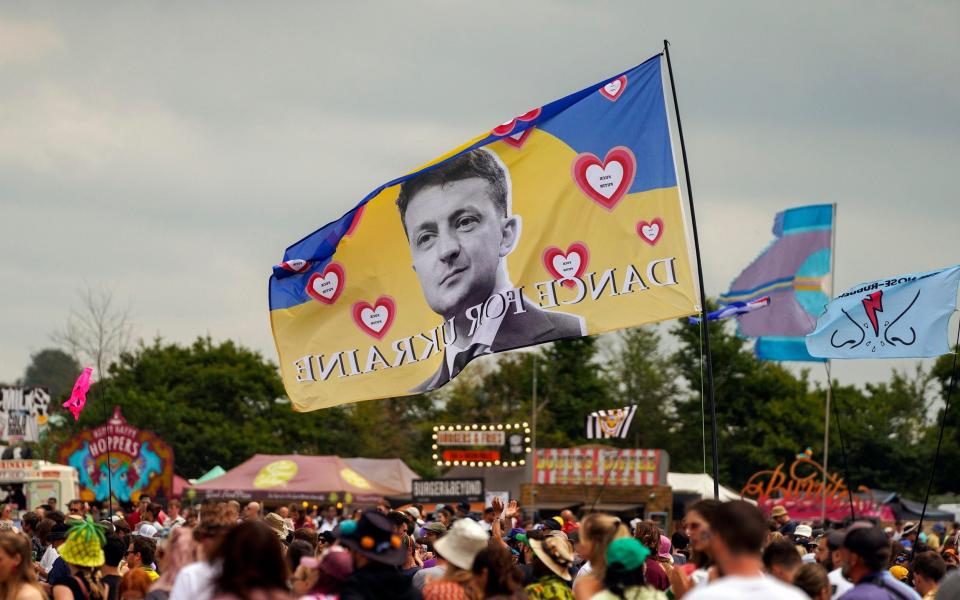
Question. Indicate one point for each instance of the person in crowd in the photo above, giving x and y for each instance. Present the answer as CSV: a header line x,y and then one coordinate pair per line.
x,y
738,529
252,565
175,552
432,532
114,550
812,579
133,518
864,554
787,526
444,515
28,524
307,535
320,578
679,544
831,561
75,509
624,574
570,523
458,547
330,519
134,585
251,511
141,554
413,560
59,570
551,559
494,574
324,540
296,551
928,569
781,559
486,522
596,532
196,581
173,517
18,580
376,552
51,535
84,556
649,535
696,526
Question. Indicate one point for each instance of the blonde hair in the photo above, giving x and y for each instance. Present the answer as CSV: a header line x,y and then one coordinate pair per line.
x,y
599,530
15,544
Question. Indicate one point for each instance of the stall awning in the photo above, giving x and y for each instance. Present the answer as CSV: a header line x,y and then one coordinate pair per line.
x,y
316,478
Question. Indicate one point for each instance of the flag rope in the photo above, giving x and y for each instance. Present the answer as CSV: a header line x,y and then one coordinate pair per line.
x,y
943,424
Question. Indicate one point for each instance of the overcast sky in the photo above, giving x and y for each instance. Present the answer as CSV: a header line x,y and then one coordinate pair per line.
x,y
170,151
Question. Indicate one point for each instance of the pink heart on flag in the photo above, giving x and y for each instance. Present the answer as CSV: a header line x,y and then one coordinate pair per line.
x,y
505,128
605,182
614,89
375,319
78,397
564,267
327,286
297,265
650,232
517,139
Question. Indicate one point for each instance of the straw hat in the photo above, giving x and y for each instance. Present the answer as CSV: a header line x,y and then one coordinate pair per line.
x,y
462,543
277,524
555,552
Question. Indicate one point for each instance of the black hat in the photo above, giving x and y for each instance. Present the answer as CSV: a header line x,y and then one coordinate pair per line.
x,y
867,542
58,532
464,506
373,537
327,537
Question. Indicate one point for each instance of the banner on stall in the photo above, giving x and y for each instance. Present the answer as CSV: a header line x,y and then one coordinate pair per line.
x,y
139,463
562,222
23,413
592,465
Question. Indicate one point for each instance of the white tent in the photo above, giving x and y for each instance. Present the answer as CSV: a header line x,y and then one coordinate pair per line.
x,y
699,483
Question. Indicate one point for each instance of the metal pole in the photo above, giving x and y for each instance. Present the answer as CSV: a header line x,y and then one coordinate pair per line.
x,y
533,438
826,414
705,356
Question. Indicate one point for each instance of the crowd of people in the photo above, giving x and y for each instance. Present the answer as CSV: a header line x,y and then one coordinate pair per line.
x,y
222,552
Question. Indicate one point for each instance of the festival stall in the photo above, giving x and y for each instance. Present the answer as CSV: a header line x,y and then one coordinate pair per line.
x,y
294,478
138,461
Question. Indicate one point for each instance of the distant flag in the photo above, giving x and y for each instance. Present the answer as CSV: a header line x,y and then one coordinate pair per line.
x,y
78,398
734,310
899,317
614,423
795,273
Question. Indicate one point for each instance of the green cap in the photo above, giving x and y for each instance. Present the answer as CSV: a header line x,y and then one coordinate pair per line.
x,y
626,554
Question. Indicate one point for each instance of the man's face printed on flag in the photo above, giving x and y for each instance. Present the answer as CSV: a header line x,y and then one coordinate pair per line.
x,y
457,238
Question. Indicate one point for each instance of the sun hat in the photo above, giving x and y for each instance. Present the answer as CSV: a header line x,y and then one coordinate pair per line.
x,y
899,573
910,527
626,554
277,524
84,545
803,531
778,511
372,536
664,550
414,512
556,553
462,543
435,527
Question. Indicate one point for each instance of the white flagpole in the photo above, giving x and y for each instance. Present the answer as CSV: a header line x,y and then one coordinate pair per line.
x,y
826,414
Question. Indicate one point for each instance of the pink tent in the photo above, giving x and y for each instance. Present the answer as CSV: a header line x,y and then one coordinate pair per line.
x,y
267,477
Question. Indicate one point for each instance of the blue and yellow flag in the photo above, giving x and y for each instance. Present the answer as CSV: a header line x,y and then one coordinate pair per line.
x,y
562,222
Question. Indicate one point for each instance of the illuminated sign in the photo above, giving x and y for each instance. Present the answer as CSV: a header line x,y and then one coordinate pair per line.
x,y
471,455
599,465
481,445
800,490
471,438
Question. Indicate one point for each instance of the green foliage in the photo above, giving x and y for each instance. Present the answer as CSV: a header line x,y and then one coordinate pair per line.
x,y
53,369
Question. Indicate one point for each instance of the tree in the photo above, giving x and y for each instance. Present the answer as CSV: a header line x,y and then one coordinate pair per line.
x,y
97,332
571,384
215,404
946,372
53,369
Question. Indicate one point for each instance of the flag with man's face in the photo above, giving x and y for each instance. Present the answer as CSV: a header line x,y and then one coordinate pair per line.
x,y
562,222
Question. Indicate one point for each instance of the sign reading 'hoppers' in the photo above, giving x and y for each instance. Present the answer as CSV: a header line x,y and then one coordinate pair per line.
x,y
592,465
447,490
562,222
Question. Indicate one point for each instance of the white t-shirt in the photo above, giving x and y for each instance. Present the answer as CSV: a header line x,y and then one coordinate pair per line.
x,y
746,588
195,581
585,569
838,584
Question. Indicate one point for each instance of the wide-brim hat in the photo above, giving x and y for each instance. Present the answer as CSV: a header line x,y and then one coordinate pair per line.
x,y
84,545
373,537
556,554
803,531
462,543
277,524
778,511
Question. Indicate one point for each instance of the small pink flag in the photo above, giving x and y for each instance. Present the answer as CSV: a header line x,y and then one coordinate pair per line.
x,y
78,398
